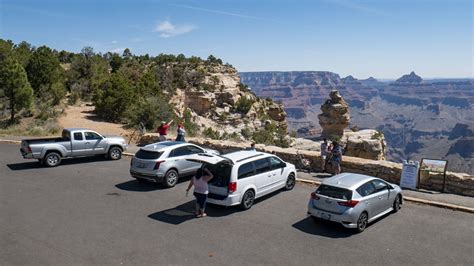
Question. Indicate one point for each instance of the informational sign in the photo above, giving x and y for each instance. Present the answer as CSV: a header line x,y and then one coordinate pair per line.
x,y
409,178
434,166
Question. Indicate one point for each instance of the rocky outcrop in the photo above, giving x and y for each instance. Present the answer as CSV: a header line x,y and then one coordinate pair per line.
x,y
220,102
368,144
335,115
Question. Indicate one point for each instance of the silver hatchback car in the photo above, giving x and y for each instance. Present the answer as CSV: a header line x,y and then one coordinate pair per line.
x,y
165,162
354,200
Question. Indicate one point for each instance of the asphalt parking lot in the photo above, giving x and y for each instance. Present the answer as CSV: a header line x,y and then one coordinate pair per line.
x,y
90,211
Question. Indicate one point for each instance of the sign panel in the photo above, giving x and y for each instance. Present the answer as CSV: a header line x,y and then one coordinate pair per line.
x,y
409,178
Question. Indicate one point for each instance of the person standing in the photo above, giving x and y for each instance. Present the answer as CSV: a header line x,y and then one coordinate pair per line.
x,y
252,147
163,129
201,190
324,154
336,157
180,132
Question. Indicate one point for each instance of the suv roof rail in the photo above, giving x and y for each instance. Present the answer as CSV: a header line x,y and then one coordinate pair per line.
x,y
249,157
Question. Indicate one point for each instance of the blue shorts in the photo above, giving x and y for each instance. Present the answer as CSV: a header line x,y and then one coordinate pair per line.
x,y
201,200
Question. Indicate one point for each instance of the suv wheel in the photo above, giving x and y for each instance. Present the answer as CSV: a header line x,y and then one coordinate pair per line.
x,y
52,159
115,153
396,204
171,178
362,222
290,182
247,199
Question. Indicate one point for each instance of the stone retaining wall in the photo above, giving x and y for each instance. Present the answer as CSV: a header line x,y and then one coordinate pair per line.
x,y
456,183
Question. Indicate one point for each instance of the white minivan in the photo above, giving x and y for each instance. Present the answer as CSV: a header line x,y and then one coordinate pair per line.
x,y
241,177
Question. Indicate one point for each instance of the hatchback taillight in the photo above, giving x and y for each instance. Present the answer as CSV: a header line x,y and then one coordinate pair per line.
x,y
349,203
157,165
232,187
314,196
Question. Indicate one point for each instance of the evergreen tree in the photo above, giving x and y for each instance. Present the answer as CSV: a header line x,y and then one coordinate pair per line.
x,y
15,85
43,71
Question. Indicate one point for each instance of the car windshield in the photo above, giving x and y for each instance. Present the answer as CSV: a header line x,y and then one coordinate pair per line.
x,y
148,155
334,192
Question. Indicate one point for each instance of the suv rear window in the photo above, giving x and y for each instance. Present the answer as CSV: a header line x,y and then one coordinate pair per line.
x,y
148,155
334,192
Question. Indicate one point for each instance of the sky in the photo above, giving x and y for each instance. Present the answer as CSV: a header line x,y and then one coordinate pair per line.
x,y
381,38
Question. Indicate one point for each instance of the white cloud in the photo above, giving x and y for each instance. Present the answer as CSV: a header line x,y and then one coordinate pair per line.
x,y
114,42
117,50
168,29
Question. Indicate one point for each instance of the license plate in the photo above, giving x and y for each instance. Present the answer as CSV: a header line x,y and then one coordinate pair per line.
x,y
140,165
325,216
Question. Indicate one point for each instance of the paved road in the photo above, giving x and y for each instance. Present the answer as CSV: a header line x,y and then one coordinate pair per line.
x,y
89,211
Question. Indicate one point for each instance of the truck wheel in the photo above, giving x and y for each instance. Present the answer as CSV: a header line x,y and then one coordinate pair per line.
x,y
52,159
115,153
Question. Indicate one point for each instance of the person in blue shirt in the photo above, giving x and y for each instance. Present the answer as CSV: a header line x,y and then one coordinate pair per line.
x,y
336,157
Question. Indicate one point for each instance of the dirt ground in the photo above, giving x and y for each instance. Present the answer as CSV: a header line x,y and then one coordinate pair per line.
x,y
83,116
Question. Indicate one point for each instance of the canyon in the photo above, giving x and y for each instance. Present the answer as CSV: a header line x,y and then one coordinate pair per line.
x,y
419,118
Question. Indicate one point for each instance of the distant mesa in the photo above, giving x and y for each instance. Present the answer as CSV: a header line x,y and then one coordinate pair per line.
x,y
371,79
411,78
350,80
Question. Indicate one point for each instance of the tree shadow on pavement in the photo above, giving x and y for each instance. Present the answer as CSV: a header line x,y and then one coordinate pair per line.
x,y
322,228
134,185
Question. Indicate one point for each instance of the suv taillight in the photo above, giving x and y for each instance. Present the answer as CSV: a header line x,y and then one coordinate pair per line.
x,y
314,196
232,187
157,165
349,203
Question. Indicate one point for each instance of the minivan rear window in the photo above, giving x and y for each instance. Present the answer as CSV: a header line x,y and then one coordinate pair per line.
x,y
334,192
148,155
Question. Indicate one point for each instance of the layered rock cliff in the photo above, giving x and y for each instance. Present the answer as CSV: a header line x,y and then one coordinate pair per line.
x,y
222,105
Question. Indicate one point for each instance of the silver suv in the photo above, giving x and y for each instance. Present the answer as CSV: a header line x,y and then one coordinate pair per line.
x,y
165,162
354,200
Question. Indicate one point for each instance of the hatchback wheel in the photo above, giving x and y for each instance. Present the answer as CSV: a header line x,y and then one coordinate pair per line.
x,y
247,199
171,178
396,204
290,182
362,222
52,159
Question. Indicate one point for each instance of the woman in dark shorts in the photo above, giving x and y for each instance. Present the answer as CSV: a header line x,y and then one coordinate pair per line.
x,y
201,190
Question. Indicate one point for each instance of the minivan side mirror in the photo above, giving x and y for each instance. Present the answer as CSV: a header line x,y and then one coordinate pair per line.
x,y
283,165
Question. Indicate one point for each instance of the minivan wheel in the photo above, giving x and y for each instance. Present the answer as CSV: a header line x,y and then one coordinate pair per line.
x,y
52,159
290,182
115,153
396,204
171,178
362,222
247,199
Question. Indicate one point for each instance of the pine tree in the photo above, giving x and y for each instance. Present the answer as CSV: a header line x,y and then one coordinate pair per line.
x,y
14,82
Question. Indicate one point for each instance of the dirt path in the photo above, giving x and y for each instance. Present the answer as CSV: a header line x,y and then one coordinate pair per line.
x,y
82,116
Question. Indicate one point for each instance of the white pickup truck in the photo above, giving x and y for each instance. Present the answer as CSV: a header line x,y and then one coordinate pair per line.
x,y
74,142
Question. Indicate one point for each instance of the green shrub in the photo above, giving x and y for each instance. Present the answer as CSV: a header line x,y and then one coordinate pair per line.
x,y
243,105
271,135
212,134
189,125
